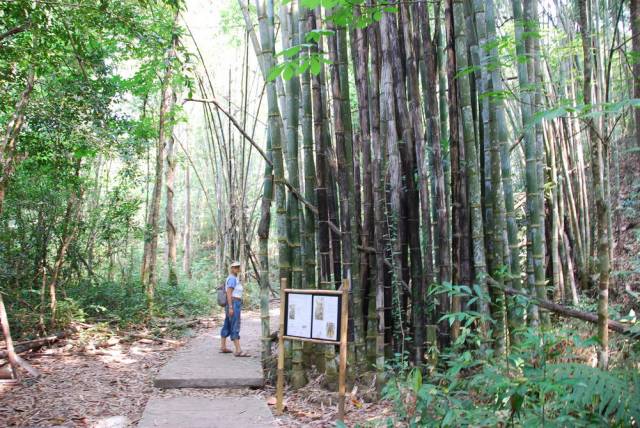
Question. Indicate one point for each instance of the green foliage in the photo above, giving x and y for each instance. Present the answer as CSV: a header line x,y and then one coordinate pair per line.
x,y
294,65
540,383
342,13
97,69
125,303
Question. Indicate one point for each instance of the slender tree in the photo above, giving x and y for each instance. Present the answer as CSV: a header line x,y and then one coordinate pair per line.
x,y
170,178
149,260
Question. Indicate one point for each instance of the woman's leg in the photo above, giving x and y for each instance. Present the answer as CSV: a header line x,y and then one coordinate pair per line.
x,y
235,326
226,330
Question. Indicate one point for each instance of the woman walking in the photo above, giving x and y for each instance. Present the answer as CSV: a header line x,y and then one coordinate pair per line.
x,y
231,327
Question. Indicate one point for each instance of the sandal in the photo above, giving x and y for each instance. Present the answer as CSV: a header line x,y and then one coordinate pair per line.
x,y
226,351
241,354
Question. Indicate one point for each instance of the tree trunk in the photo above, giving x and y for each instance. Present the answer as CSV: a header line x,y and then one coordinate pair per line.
x,y
6,332
443,255
165,133
276,176
8,161
460,219
412,132
309,165
391,141
516,315
290,38
186,257
343,131
471,164
70,228
361,71
324,186
172,241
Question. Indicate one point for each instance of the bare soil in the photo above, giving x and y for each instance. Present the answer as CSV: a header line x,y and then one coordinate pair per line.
x,y
95,374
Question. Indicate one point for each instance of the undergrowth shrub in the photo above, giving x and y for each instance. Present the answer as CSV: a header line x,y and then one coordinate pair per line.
x,y
126,303
541,383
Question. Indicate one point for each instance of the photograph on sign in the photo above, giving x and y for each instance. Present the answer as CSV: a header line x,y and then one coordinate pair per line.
x,y
325,317
298,315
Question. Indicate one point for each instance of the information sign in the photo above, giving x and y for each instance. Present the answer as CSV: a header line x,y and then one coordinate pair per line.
x,y
310,315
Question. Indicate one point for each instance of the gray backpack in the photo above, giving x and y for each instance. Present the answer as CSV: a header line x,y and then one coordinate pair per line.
x,y
222,294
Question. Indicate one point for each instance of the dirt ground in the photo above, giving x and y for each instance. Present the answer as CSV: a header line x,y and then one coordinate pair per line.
x,y
85,379
94,375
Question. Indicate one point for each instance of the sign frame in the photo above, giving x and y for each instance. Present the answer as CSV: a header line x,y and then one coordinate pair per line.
x,y
313,294
343,321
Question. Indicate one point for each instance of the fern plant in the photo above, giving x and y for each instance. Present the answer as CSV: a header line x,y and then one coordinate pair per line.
x,y
613,396
531,386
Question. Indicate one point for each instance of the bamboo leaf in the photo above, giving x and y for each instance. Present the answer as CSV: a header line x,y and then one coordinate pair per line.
x,y
316,34
316,66
289,71
290,52
275,72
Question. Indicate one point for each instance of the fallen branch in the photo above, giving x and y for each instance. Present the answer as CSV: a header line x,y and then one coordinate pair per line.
x,y
251,141
163,349
184,324
28,367
149,337
30,345
615,326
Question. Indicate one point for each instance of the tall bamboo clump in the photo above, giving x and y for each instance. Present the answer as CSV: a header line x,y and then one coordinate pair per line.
x,y
471,161
598,156
328,242
289,26
500,137
306,124
417,182
274,177
535,215
343,131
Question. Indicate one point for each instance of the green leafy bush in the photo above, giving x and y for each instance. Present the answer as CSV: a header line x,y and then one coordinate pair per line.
x,y
542,383
126,303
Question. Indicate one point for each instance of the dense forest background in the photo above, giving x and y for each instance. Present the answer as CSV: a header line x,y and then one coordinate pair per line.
x,y
470,167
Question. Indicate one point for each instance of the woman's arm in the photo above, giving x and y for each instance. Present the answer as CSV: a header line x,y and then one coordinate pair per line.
x,y
230,300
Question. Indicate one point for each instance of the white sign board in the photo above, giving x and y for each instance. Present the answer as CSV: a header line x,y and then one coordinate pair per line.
x,y
312,316
298,314
325,317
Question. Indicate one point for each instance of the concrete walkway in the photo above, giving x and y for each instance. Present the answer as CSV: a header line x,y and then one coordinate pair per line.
x,y
200,365
201,412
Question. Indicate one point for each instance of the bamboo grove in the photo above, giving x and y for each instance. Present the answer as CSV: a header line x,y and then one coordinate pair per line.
x,y
444,156
416,147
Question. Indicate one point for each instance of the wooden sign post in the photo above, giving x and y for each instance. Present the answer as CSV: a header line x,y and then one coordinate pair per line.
x,y
280,371
313,316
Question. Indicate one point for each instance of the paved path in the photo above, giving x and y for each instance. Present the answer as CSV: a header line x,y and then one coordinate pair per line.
x,y
201,412
200,365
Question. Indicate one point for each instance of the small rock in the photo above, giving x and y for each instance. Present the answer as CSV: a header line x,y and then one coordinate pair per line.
x,y
112,422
